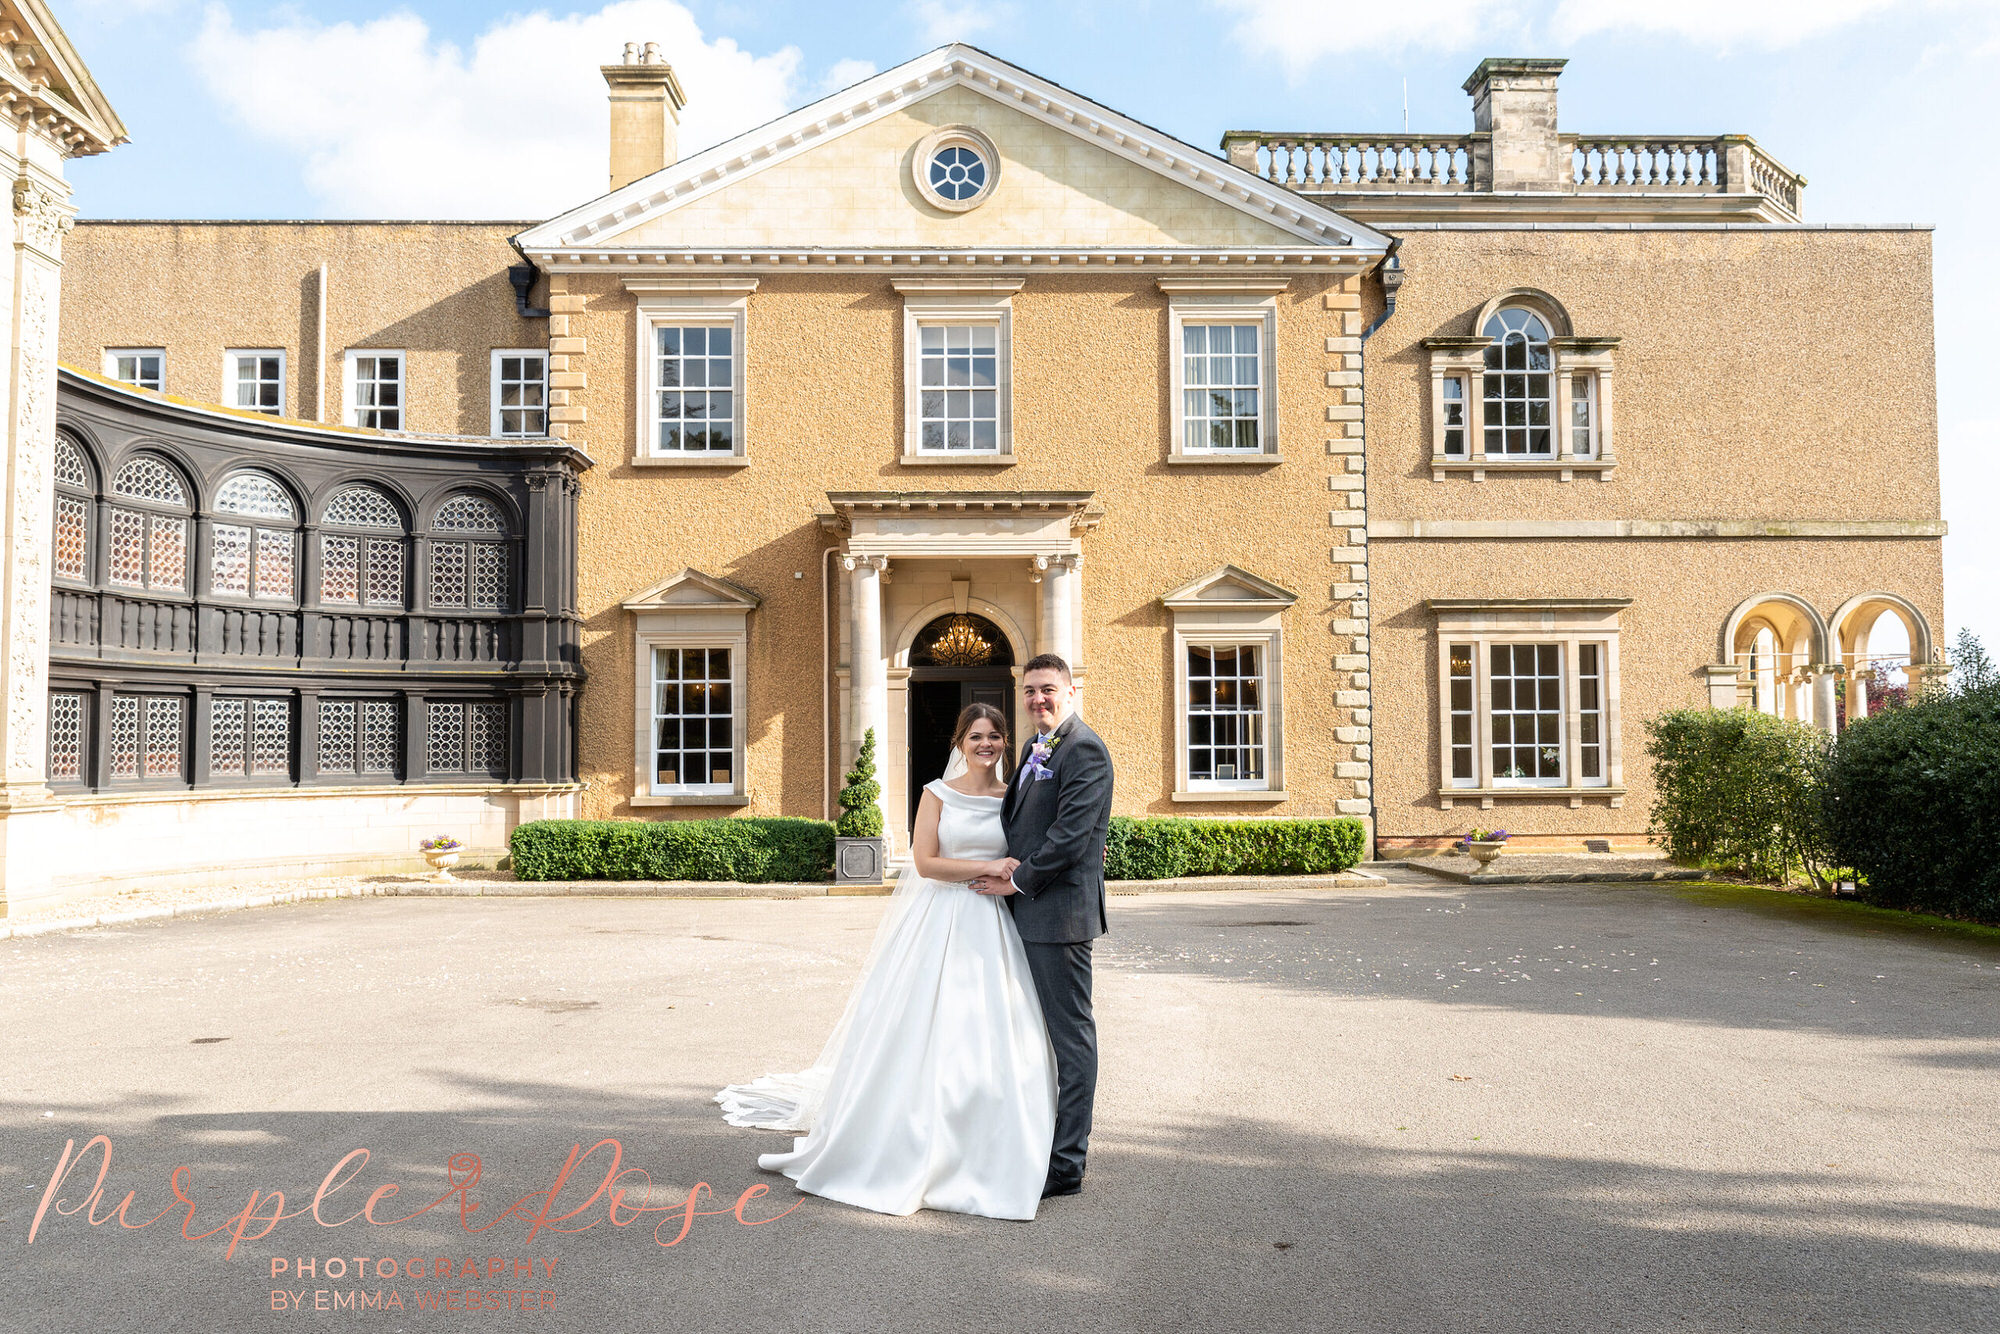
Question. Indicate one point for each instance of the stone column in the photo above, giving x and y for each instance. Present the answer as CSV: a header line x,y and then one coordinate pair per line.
x,y
1823,710
28,407
1058,575
868,670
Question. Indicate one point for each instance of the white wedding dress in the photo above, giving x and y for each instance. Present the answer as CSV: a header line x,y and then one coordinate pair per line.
x,y
937,1089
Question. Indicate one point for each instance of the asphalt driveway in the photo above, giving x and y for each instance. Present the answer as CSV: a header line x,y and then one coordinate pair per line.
x,y
1412,1108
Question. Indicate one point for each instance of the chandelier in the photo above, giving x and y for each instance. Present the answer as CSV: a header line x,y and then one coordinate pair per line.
x,y
961,645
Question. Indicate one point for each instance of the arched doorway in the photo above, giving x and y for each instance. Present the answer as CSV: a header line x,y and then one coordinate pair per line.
x,y
958,659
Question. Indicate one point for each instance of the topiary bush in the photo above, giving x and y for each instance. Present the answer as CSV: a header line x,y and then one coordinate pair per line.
x,y
860,811
757,851
1169,847
1911,795
1739,788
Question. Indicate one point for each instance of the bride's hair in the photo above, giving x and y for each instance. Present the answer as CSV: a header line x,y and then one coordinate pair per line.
x,y
973,713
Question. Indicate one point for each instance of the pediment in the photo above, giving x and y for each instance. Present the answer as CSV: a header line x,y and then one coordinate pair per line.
x,y
838,175
1229,586
40,68
691,590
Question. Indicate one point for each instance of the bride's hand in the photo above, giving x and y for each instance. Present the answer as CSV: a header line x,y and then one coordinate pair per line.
x,y
1001,870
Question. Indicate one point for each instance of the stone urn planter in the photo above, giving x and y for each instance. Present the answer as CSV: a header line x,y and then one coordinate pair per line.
x,y
442,854
1484,851
859,861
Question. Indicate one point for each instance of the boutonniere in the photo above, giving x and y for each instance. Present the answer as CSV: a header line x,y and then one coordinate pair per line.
x,y
1038,756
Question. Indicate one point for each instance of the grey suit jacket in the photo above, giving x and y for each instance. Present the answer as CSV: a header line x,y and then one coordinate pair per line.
x,y
1056,827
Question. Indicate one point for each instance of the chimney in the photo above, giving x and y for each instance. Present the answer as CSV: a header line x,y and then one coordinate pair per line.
x,y
1514,115
646,102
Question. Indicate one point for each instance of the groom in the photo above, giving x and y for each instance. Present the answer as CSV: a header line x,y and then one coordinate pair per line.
x,y
1056,813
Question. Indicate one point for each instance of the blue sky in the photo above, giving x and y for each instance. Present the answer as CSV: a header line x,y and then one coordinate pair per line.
x,y
438,109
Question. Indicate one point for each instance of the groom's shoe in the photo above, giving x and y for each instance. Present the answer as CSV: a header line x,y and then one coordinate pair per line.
x,y
1062,1187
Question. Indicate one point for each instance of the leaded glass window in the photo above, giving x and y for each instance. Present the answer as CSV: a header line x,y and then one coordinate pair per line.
x,y
358,569
1518,396
65,736
469,575
254,560
148,530
70,538
1460,704
249,738
358,736
468,737
147,736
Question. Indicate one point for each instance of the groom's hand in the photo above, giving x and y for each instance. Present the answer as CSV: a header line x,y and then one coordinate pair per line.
x,y
987,884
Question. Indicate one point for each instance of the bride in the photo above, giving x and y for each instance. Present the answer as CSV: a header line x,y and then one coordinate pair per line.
x,y
937,1088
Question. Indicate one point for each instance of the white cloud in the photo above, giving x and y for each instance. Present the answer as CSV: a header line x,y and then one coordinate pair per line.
x,y
392,122
1969,458
942,21
845,74
1299,33
1718,23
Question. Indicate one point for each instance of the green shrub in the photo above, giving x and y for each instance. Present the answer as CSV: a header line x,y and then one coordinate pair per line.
x,y
1911,796
758,851
1169,847
1739,788
860,811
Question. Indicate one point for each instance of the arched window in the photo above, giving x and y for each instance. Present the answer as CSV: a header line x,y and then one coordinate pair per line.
x,y
1519,376
72,523
468,573
149,526
357,567
254,559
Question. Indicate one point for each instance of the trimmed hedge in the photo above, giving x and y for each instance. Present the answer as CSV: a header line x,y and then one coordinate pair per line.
x,y
756,851
1739,788
1169,847
763,851
1911,800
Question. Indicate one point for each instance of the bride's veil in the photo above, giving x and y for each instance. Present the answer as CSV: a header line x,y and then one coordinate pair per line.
x,y
792,1101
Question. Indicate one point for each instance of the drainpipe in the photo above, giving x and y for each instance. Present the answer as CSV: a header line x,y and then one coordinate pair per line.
x,y
1391,271
826,683
319,352
523,277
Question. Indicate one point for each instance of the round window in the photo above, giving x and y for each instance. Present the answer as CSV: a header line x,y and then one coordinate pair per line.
x,y
958,173
955,168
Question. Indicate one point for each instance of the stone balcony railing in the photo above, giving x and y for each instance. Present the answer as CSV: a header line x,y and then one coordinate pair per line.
x,y
1599,165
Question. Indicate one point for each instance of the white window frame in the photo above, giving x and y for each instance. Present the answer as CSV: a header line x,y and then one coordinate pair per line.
x,y
351,413
231,360
1568,623
963,301
111,355
1223,301
716,303
494,385
690,610
1230,606
1464,357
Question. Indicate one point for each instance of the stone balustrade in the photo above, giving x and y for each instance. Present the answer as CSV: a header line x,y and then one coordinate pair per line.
x,y
1729,164
1355,161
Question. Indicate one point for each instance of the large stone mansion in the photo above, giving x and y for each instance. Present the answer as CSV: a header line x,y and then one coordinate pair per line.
x,y
1400,476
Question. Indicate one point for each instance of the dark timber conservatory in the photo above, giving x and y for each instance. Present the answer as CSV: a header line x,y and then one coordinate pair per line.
x,y
246,603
